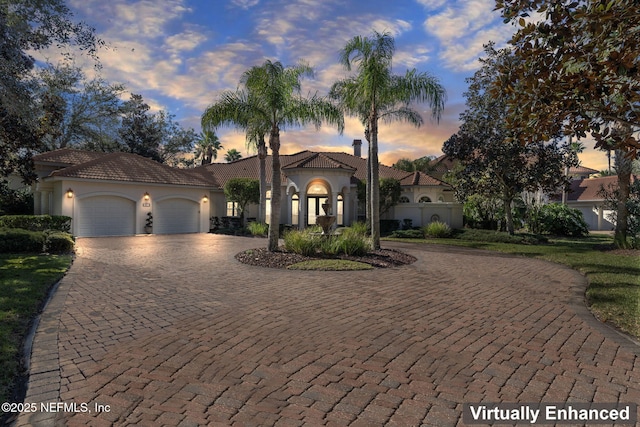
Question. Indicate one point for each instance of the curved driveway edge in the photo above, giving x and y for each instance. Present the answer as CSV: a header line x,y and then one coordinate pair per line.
x,y
172,330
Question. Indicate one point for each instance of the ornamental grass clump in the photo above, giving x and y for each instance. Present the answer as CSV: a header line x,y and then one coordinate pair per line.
x,y
258,228
437,229
351,242
303,242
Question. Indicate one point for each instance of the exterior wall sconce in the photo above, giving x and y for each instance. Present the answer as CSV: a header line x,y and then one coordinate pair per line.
x,y
205,199
69,193
146,196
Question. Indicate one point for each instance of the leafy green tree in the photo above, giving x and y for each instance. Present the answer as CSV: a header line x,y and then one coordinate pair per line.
x,y
175,141
25,27
76,112
276,104
578,70
232,155
374,93
242,191
423,164
492,162
207,147
156,136
140,132
390,191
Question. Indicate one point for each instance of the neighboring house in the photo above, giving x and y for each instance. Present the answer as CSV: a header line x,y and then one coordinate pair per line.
x,y
112,193
584,194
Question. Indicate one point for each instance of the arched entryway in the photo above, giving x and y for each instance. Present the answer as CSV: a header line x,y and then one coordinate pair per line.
x,y
317,193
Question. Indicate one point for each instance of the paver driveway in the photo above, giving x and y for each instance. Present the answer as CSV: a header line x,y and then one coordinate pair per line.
x,y
171,330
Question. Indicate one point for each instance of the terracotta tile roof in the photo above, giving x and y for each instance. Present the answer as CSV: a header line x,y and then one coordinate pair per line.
x,y
443,163
318,161
133,168
581,170
588,189
67,156
248,167
421,178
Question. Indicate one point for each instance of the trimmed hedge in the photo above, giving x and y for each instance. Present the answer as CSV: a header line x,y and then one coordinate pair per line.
x,y
18,240
58,242
37,222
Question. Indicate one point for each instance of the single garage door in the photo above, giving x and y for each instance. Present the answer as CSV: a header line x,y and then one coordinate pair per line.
x,y
174,216
105,216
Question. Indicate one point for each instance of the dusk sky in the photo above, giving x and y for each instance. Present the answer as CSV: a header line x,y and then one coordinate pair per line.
x,y
179,54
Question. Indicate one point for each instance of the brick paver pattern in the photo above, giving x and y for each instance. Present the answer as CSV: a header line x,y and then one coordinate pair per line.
x,y
172,330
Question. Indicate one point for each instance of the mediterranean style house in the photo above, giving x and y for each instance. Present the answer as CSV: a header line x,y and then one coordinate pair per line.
x,y
112,194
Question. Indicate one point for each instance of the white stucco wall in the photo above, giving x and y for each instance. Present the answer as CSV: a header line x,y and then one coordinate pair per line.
x,y
63,205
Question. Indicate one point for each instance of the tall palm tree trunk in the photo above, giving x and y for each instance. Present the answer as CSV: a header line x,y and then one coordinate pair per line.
x,y
375,181
274,220
262,155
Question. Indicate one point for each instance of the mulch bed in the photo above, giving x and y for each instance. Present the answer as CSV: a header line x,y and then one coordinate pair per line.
x,y
382,258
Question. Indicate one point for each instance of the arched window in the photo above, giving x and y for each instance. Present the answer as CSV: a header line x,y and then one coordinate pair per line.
x,y
267,207
295,208
340,210
404,199
424,199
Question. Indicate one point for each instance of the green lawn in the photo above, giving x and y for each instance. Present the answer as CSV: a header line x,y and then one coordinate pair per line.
x,y
24,282
613,294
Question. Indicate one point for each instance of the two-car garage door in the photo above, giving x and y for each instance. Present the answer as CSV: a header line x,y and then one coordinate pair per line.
x,y
116,216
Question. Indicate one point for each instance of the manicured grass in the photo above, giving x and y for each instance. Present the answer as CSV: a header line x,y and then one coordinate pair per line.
x,y
613,294
330,264
24,282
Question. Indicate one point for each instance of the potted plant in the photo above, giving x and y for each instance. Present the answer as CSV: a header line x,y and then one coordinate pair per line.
x,y
148,226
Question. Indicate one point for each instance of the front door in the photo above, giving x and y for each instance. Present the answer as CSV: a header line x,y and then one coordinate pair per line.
x,y
314,208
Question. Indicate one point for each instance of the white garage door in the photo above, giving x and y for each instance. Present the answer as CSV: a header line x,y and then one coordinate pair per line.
x,y
174,216
105,216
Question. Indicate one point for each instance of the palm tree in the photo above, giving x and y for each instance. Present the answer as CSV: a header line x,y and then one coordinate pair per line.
x,y
374,93
232,155
237,108
270,102
208,146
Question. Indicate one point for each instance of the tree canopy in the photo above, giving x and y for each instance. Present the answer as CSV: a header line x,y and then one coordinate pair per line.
x,y
578,70
492,161
27,26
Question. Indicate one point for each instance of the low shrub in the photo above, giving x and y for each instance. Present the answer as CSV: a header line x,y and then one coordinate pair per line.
x,y
388,226
437,230
37,222
18,240
408,234
57,242
498,237
258,228
557,219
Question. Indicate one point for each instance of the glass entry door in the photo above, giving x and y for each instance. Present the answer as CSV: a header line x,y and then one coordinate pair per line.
x,y
314,208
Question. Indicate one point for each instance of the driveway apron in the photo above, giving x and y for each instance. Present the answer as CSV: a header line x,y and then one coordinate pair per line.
x,y
172,330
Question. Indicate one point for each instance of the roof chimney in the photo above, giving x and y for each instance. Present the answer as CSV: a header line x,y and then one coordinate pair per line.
x,y
357,147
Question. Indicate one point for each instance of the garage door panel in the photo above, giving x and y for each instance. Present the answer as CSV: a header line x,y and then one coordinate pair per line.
x,y
106,216
173,216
